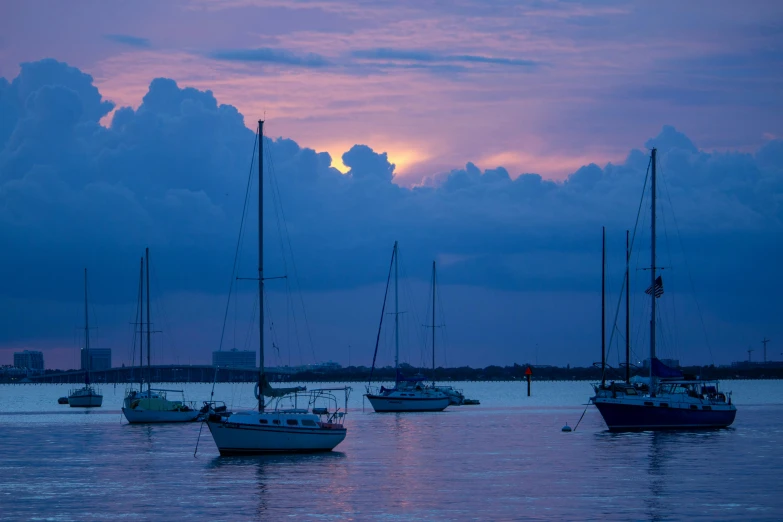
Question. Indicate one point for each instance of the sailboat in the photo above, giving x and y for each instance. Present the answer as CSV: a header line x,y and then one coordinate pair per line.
x,y
153,405
456,397
318,426
409,394
87,396
672,400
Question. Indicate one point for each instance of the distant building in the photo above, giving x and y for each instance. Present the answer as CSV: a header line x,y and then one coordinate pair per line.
x,y
96,359
29,359
234,359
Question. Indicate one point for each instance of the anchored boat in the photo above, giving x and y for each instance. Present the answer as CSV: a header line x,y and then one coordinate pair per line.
x,y
295,420
88,396
671,400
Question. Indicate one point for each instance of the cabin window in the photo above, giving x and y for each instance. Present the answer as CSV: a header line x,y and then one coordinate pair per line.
x,y
694,407
292,422
664,405
275,421
263,421
308,422
648,403
630,391
708,408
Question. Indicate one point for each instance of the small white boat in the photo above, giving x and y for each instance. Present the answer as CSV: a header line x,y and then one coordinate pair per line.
x,y
153,406
283,430
408,396
87,396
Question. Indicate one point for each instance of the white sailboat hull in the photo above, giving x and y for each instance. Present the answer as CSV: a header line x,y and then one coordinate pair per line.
x,y
384,404
87,397
245,438
141,416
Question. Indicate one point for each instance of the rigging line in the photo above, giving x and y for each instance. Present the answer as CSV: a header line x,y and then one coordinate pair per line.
x,y
690,278
409,295
136,325
442,318
277,206
252,322
239,241
673,318
383,311
633,238
166,330
293,260
444,338
272,328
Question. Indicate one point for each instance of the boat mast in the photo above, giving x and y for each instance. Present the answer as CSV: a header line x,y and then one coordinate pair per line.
x,y
603,306
149,337
140,323
86,334
627,310
433,322
396,315
261,263
652,278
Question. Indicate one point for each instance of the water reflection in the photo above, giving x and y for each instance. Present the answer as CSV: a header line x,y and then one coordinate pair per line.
x,y
266,475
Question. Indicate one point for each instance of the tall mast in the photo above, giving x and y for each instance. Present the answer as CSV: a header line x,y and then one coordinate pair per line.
x,y
86,335
603,306
149,332
396,313
140,323
261,263
433,321
652,277
627,309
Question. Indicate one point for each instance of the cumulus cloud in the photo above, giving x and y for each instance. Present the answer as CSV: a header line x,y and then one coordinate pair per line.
x,y
172,175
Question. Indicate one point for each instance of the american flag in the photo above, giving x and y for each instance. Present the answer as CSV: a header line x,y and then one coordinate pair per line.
x,y
657,287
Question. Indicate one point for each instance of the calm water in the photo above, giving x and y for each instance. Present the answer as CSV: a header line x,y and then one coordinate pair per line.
x,y
504,460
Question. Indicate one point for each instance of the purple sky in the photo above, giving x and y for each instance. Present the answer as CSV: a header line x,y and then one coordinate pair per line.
x,y
541,87
572,91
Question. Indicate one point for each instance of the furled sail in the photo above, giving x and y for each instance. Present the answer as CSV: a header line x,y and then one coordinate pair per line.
x,y
268,391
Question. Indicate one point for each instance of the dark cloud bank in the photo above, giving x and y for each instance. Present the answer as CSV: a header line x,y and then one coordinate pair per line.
x,y
171,175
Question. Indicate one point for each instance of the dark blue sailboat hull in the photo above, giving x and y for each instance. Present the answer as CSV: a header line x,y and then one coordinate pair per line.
x,y
629,417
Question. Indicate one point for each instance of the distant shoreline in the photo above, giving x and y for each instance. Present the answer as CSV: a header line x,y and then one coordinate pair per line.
x,y
206,373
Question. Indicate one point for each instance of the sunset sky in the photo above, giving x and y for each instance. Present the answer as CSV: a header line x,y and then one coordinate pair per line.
x,y
495,137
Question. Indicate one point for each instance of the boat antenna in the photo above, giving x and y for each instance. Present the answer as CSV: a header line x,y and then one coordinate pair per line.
x,y
433,322
603,306
86,335
149,333
140,323
652,274
261,263
396,316
383,311
627,308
